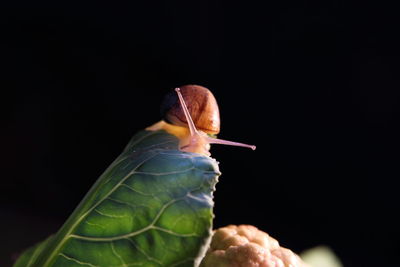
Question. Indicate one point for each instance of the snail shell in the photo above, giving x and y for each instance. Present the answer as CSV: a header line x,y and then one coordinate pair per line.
x,y
201,104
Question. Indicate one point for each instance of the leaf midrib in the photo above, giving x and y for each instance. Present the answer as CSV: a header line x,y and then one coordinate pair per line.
x,y
69,227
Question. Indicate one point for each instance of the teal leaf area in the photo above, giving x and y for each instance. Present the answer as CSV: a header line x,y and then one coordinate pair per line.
x,y
151,207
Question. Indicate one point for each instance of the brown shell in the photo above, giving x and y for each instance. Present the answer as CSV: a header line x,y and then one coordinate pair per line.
x,y
202,106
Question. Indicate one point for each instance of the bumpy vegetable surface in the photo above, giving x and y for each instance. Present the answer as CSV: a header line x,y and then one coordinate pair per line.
x,y
246,246
152,207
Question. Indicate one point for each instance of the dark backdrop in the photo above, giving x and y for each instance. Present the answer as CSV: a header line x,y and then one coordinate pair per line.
x,y
314,85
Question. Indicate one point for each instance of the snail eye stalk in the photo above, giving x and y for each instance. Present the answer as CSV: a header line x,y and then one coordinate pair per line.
x,y
189,120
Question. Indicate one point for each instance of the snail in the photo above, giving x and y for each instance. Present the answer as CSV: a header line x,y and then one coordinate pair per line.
x,y
191,113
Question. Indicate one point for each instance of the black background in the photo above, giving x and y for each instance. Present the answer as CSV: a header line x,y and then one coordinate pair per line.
x,y
314,85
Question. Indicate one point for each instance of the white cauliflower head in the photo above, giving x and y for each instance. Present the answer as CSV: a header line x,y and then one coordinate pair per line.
x,y
246,246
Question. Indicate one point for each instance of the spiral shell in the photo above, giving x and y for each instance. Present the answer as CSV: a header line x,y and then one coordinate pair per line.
x,y
201,104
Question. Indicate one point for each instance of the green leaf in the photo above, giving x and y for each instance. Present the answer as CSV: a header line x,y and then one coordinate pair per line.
x,y
151,207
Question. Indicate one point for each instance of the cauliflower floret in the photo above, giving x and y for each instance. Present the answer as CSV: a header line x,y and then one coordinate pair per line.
x,y
246,246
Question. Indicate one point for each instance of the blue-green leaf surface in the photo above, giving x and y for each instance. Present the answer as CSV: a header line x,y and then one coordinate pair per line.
x,y
151,207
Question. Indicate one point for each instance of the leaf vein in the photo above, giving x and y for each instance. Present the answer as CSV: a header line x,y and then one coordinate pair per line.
x,y
109,215
94,224
135,190
148,227
117,255
166,173
77,261
143,252
142,138
173,233
158,144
